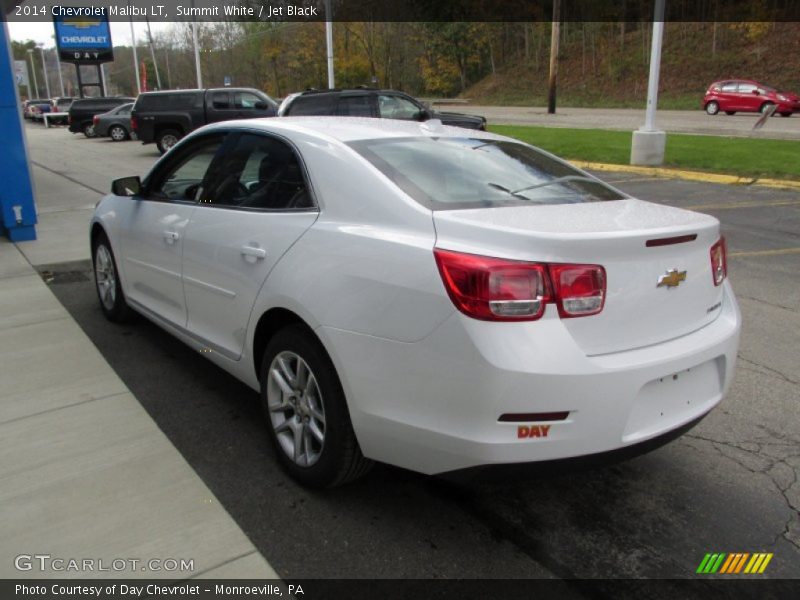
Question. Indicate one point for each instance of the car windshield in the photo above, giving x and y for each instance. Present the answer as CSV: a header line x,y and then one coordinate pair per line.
x,y
447,173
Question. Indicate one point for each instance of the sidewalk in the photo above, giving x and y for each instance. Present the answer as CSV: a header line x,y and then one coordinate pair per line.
x,y
86,473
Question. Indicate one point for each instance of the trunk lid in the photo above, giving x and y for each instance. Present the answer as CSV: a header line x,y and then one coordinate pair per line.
x,y
613,234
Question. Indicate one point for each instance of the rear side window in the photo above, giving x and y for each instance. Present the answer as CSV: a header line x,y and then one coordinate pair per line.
x,y
310,106
354,106
169,101
729,87
450,173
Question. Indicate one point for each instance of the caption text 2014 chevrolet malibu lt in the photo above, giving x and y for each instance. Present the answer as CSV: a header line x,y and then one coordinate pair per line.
x,y
425,296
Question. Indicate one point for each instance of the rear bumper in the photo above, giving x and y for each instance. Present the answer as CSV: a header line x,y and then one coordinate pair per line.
x,y
433,406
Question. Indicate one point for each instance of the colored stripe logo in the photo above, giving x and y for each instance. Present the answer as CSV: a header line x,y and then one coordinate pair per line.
x,y
735,563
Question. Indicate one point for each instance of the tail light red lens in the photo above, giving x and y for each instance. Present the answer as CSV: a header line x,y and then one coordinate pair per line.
x,y
719,261
134,124
494,289
579,290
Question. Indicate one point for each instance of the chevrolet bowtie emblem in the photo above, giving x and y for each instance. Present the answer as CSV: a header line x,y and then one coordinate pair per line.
x,y
672,278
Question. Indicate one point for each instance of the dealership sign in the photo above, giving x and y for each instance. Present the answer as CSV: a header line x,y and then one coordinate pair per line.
x,y
83,40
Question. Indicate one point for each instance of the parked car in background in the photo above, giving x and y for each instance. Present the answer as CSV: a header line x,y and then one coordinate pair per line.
x,y
115,123
56,105
30,108
165,117
367,102
83,110
426,296
743,95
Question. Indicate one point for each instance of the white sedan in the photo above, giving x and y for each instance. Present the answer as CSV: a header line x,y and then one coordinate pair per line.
x,y
424,296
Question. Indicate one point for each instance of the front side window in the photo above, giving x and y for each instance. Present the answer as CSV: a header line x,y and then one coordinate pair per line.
x,y
397,107
260,172
747,88
449,173
245,100
182,178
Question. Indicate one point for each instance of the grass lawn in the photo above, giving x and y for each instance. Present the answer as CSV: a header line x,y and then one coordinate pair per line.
x,y
737,156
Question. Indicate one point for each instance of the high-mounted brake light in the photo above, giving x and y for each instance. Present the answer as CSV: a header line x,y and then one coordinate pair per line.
x,y
719,261
494,289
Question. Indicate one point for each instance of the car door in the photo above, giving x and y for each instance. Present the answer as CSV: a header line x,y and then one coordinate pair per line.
x,y
246,220
749,100
153,233
728,98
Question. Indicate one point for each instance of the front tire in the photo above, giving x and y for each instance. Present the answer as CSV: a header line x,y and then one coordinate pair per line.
x,y
712,108
306,411
117,133
167,139
765,107
107,284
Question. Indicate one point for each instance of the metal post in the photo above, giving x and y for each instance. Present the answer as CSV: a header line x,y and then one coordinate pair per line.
x,y
153,53
102,72
648,144
135,57
655,67
33,70
44,72
60,75
196,53
329,42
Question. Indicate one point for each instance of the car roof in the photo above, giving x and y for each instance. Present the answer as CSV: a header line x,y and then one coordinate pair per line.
x,y
351,129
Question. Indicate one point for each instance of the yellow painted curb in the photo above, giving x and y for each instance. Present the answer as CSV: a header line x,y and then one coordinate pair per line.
x,y
688,175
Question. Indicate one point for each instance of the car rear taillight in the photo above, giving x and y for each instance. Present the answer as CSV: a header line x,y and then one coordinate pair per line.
x,y
579,290
495,289
719,261
134,124
95,119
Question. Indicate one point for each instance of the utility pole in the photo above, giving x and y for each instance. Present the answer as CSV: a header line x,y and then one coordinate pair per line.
x,y
555,34
153,52
33,70
329,42
196,53
135,57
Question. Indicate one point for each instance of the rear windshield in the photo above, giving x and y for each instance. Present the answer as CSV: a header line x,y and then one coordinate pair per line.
x,y
452,173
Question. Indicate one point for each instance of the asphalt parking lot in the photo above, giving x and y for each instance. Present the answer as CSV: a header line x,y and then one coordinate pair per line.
x,y
729,485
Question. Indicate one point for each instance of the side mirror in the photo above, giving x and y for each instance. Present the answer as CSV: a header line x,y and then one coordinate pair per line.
x,y
423,115
127,186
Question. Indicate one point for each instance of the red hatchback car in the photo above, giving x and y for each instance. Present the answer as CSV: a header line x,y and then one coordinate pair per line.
x,y
742,95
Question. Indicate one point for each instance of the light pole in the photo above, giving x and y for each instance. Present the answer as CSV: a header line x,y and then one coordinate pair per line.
x,y
329,42
60,76
33,70
649,143
44,72
135,58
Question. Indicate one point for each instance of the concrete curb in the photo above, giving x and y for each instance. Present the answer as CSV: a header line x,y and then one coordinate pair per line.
x,y
688,175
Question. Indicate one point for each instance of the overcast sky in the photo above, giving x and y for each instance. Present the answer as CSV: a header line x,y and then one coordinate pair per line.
x,y
42,33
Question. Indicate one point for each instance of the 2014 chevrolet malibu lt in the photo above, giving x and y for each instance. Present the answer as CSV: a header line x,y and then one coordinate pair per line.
x,y
421,295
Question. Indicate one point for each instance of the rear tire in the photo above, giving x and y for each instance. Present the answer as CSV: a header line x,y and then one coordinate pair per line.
x,y
107,284
88,130
166,139
117,133
306,411
712,108
786,114
765,107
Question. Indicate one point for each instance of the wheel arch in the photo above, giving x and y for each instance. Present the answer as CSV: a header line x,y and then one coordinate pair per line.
x,y
270,323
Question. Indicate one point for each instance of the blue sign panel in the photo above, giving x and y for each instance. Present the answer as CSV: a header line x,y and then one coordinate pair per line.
x,y
83,39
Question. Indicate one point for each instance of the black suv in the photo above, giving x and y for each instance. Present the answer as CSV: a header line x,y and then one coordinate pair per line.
x,y
366,102
165,117
83,110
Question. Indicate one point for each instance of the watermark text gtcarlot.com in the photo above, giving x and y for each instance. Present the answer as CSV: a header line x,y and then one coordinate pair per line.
x,y
46,562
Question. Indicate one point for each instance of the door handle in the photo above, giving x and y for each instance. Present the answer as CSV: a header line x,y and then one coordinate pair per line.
x,y
171,236
252,254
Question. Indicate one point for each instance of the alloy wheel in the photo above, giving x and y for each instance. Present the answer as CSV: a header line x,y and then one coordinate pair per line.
x,y
296,410
105,277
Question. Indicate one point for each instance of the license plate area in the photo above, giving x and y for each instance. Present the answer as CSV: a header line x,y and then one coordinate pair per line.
x,y
674,399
